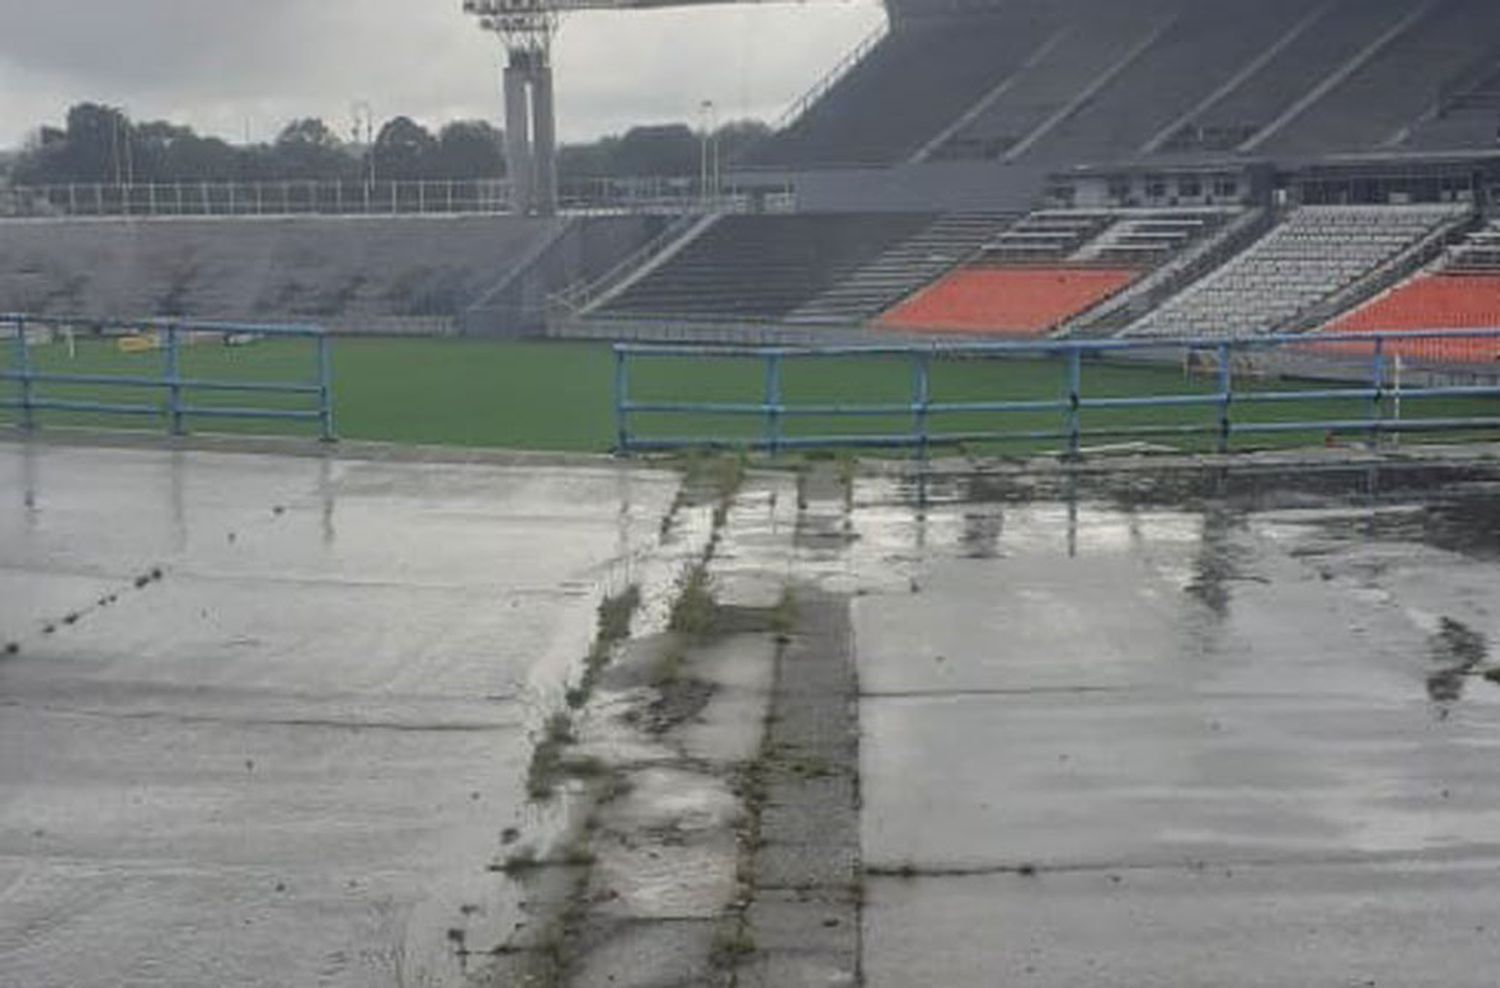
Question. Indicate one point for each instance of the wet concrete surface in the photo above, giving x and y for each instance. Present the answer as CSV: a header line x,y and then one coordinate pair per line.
x,y
1203,727
267,718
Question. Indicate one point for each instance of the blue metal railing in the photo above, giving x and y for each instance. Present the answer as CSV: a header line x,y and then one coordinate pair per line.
x,y
1372,360
169,335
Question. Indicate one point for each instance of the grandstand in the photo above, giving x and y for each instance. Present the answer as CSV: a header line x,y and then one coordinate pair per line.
x,y
393,274
1098,81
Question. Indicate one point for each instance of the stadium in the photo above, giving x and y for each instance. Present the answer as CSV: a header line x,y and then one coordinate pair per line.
x,y
1027,517
1018,171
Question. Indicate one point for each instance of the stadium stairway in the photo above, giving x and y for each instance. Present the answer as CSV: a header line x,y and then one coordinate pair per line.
x,y
902,269
1312,256
761,267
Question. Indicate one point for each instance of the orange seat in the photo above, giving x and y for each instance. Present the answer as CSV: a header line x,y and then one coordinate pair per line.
x,y
1001,301
1434,301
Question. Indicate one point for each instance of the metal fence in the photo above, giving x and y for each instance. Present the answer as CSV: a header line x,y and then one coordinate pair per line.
x,y
383,198
32,385
291,198
1386,376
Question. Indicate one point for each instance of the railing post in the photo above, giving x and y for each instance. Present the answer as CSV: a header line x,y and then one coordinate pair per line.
x,y
23,367
1075,399
174,382
1377,394
921,397
1226,396
622,398
325,388
773,402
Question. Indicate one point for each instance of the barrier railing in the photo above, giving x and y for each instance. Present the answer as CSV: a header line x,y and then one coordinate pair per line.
x,y
31,382
1388,372
270,198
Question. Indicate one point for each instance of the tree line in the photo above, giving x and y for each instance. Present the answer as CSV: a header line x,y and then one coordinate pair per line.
x,y
100,143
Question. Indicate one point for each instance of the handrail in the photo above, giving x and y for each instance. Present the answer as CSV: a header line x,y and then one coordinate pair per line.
x,y
168,336
832,77
1379,391
577,297
291,197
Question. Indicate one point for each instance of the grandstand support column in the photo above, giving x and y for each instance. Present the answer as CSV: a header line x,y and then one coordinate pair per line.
x,y
544,126
518,160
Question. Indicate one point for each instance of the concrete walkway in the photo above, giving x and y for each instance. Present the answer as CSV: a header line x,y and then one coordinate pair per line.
x,y
1173,731
265,719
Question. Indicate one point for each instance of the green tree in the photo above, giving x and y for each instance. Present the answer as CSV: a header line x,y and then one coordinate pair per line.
x,y
308,149
404,150
469,149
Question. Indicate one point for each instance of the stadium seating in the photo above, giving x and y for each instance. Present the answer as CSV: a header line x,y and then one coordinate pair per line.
x,y
1464,293
1467,115
1316,252
1051,267
1006,301
1198,50
1070,81
1340,33
1075,59
344,269
925,73
763,266
1371,107
902,269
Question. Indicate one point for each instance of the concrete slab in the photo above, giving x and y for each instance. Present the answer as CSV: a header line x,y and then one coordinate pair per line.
x,y
1214,730
1414,925
290,758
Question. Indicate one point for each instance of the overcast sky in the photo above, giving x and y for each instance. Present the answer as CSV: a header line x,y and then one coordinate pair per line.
x,y
226,68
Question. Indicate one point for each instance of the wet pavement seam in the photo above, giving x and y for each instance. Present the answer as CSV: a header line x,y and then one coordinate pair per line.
x,y
804,920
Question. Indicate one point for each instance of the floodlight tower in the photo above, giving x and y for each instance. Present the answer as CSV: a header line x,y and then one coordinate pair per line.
x,y
525,28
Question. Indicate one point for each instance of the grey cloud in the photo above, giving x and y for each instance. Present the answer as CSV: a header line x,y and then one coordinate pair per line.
x,y
218,65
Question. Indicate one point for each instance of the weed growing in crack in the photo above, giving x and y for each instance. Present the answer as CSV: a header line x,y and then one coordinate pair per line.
x,y
547,758
694,611
667,668
784,615
733,943
615,614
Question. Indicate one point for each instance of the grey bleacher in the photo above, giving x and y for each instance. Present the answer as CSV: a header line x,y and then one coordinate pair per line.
x,y
1479,253
1376,101
1313,254
1202,50
903,268
1088,46
763,266
1343,32
1047,236
1064,82
927,72
1147,238
1466,113
317,268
